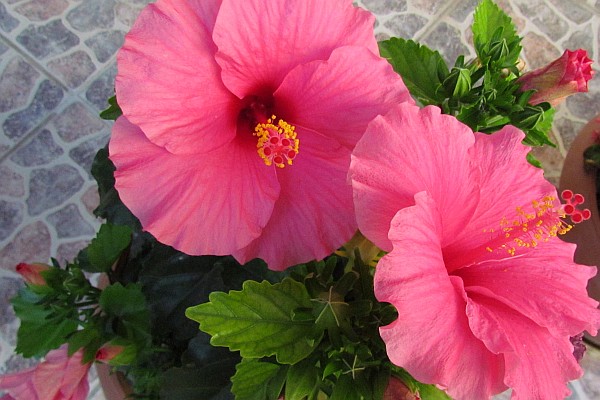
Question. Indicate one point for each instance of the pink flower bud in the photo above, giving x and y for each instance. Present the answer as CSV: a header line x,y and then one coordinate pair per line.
x,y
563,77
108,352
31,273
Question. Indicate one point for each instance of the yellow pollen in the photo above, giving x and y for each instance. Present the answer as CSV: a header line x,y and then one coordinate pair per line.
x,y
277,143
530,228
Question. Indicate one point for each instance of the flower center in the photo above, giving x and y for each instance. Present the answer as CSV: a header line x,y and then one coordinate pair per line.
x,y
542,223
277,143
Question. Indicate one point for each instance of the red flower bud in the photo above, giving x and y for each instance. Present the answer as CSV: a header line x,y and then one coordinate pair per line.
x,y
31,273
563,77
108,352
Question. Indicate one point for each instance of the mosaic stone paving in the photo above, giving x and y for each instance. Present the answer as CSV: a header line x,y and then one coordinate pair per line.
x,y
57,65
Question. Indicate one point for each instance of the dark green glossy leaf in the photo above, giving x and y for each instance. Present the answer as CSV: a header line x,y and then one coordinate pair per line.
x,y
107,246
113,111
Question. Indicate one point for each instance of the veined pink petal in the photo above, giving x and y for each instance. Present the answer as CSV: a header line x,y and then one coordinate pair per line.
x,y
168,82
506,181
69,371
338,97
560,303
431,338
538,364
407,151
261,41
213,203
58,377
314,213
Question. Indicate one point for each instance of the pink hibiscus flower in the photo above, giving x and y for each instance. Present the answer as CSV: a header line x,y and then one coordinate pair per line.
x,y
239,121
58,377
487,296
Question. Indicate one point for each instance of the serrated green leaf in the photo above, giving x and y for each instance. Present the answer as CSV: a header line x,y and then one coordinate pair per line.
x,y
113,111
422,69
40,330
107,246
258,321
493,27
251,379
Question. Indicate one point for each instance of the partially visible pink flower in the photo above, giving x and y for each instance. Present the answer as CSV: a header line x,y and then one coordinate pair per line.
x,y
31,273
565,76
58,377
487,296
200,159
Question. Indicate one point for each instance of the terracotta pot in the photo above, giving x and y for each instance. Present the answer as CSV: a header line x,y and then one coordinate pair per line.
x,y
576,178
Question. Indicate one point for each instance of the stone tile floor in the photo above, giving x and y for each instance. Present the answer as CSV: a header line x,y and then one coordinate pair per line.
x,y
57,66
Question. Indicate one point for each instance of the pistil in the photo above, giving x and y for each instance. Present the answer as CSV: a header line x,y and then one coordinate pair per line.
x,y
277,142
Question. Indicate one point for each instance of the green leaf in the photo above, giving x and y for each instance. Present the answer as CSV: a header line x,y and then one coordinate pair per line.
x,y
258,321
107,246
41,330
494,34
251,380
192,383
113,111
426,392
422,69
126,305
344,389
111,207
302,381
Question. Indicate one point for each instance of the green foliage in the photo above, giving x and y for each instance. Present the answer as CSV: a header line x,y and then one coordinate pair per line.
x,y
258,380
495,37
482,93
422,69
111,207
105,248
42,329
258,320
113,111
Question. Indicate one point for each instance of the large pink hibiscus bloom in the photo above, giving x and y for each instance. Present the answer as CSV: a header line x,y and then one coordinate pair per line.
x,y
239,121
487,295
58,377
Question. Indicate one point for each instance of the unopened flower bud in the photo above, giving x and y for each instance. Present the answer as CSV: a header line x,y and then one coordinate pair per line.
x,y
115,354
563,77
31,273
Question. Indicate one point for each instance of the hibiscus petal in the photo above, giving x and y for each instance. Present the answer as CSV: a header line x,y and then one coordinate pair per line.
x,y
407,151
260,42
503,189
68,372
538,364
215,203
339,97
543,284
314,214
431,338
168,82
